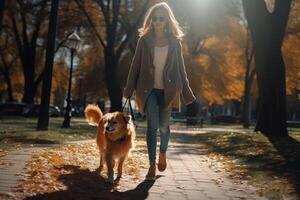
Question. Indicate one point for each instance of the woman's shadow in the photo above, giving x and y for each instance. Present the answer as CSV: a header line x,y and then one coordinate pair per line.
x,y
84,184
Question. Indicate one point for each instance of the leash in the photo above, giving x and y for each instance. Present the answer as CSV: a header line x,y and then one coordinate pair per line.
x,y
131,110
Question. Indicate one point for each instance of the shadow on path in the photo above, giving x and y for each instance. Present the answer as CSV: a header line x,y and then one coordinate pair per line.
x,y
83,184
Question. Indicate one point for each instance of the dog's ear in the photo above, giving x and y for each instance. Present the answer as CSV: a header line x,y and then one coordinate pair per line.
x,y
126,117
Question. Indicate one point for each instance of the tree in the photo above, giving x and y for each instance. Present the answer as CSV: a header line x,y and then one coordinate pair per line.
x,y
249,78
291,49
121,20
43,120
8,59
249,69
2,5
267,32
216,72
27,33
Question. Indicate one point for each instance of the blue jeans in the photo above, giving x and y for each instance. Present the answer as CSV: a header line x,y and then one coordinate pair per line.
x,y
157,117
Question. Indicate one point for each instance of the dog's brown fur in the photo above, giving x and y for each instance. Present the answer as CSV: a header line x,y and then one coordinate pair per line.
x,y
115,137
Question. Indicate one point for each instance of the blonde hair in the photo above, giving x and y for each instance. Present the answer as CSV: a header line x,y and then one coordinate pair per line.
x,y
172,24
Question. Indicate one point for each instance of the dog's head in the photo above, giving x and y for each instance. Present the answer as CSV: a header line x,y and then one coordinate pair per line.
x,y
116,125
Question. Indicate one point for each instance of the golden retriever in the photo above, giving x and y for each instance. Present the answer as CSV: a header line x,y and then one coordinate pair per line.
x,y
115,138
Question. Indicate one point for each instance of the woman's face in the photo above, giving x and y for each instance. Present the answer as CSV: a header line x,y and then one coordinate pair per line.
x,y
159,20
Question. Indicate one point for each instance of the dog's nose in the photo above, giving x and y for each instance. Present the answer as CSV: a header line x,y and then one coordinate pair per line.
x,y
107,128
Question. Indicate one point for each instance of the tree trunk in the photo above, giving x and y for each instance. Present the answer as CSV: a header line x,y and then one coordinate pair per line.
x,y
249,76
9,87
237,105
113,85
43,120
29,86
247,103
6,73
2,5
267,31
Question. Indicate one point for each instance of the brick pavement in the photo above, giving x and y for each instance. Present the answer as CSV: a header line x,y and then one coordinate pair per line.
x,y
190,175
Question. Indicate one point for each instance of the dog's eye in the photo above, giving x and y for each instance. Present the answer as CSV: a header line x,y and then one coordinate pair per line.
x,y
114,122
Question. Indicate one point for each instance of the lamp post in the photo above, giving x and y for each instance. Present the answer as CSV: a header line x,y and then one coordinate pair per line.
x,y
81,76
73,43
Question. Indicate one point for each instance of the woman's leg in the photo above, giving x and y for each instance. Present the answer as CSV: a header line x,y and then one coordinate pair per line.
x,y
164,123
164,129
152,114
152,126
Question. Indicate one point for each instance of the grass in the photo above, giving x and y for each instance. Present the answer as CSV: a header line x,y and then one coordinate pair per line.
x,y
21,131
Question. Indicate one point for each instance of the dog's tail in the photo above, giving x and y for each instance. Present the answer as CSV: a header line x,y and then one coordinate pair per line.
x,y
93,114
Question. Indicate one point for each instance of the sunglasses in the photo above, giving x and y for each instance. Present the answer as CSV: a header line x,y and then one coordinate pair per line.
x,y
158,18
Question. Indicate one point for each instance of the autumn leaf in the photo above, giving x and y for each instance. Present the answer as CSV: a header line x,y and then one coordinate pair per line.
x,y
44,170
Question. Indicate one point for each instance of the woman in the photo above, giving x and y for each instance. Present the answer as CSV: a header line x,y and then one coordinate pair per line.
x,y
158,76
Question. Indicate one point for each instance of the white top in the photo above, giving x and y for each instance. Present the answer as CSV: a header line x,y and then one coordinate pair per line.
x,y
159,61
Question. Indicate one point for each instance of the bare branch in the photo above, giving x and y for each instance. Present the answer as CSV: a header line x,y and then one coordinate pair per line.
x,y
91,23
131,31
105,11
112,29
38,24
24,23
17,35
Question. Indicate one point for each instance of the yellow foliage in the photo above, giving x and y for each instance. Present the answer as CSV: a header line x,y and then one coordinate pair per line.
x,y
217,74
291,53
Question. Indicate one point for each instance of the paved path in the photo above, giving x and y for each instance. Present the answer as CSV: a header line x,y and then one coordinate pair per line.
x,y
10,166
190,175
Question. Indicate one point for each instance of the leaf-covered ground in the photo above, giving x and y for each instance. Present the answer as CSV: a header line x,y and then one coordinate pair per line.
x,y
72,170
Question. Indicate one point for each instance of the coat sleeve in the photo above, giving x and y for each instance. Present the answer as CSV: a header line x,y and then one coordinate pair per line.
x,y
134,70
187,92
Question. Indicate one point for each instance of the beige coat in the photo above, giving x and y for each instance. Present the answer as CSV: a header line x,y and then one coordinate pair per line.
x,y
141,73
